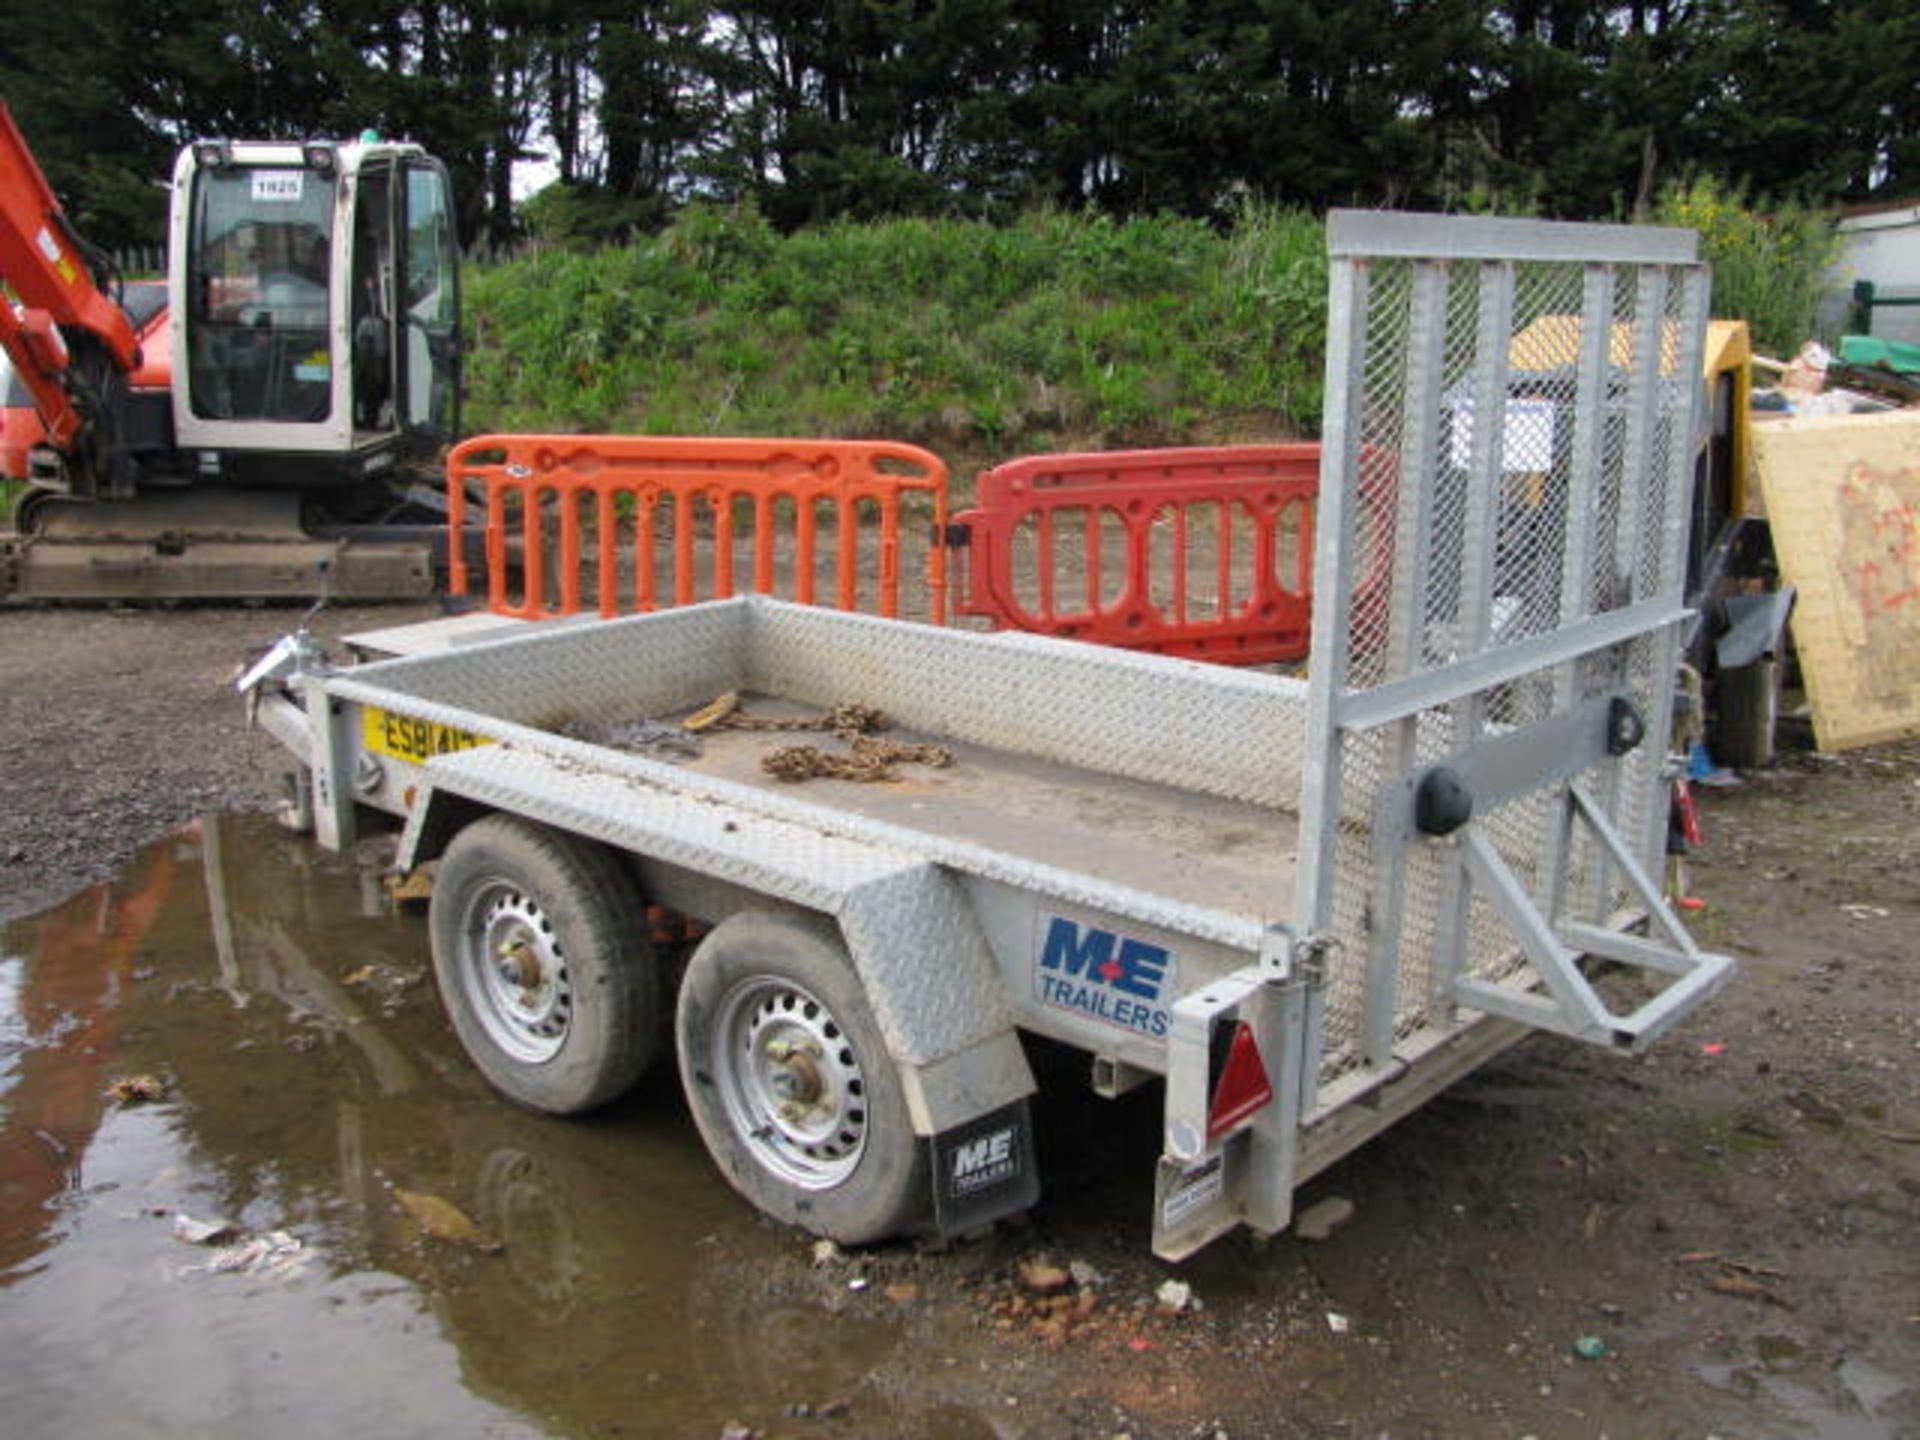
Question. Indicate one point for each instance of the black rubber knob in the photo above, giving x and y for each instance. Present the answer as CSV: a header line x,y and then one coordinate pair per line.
x,y
1625,727
1442,803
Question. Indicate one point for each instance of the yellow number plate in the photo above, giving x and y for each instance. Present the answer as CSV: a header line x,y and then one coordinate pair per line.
x,y
406,737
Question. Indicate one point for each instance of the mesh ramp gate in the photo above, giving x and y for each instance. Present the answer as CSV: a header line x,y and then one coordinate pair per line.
x,y
1483,808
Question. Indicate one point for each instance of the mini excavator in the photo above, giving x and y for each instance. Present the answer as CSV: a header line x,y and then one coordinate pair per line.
x,y
258,426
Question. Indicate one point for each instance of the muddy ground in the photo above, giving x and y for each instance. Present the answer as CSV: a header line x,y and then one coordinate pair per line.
x,y
1728,1225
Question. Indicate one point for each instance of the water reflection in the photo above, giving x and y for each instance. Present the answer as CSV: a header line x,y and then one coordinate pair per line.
x,y
56,1034
288,1008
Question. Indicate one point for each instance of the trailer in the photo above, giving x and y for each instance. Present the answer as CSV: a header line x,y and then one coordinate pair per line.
x,y
1301,907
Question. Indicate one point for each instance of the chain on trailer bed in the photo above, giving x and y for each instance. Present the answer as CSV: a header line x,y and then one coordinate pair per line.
x,y
1305,905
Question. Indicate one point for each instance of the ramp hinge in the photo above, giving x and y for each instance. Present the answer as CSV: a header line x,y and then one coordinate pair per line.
x,y
1313,956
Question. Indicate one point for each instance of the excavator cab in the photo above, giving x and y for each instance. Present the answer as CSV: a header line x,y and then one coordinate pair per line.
x,y
315,291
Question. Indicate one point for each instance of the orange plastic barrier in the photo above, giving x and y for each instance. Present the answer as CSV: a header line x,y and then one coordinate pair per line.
x,y
667,521
1205,552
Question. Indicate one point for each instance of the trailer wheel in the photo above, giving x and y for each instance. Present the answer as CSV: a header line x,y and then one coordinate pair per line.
x,y
791,1084
542,954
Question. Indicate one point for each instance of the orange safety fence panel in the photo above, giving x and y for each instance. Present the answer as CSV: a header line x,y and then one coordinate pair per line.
x,y
627,523
1202,552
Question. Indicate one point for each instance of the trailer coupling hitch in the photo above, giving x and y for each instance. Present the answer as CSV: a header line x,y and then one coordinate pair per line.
x,y
298,653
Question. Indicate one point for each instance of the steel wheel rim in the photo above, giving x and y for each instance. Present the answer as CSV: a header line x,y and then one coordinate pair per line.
x,y
515,973
791,1082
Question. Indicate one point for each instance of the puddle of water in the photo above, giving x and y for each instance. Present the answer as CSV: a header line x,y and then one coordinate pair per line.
x,y
309,1074
1853,1403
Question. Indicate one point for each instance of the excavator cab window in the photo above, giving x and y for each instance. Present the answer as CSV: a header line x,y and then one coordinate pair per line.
x,y
371,314
405,300
259,277
431,278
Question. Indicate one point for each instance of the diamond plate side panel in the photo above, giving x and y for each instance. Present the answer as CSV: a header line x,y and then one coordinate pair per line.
x,y
1233,733
932,980
615,670
1219,731
789,862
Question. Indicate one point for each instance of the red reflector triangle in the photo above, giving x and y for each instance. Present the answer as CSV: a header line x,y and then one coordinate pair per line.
x,y
1243,1087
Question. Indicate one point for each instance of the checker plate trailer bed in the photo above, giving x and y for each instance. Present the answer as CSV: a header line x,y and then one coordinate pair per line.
x,y
1304,906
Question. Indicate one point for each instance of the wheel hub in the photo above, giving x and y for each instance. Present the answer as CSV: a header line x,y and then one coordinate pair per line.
x,y
795,1074
520,964
522,992
792,1082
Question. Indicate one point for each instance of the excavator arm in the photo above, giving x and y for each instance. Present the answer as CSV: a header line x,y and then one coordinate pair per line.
x,y
59,297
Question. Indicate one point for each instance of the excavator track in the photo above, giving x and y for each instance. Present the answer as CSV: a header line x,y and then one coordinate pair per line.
x,y
205,545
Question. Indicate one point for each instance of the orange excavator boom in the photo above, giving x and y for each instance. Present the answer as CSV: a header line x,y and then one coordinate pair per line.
x,y
44,263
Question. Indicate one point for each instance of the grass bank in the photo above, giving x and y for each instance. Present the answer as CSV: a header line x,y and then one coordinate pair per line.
x,y
967,337
982,341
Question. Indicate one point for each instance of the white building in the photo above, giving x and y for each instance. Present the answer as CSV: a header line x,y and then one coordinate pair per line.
x,y
1880,245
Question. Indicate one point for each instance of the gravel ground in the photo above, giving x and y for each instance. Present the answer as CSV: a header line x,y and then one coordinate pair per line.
x,y
116,725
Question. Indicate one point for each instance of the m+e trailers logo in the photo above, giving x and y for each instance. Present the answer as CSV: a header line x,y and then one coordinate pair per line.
x,y
1117,979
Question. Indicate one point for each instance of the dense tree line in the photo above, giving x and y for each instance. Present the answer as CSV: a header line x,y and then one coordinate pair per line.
x,y
987,107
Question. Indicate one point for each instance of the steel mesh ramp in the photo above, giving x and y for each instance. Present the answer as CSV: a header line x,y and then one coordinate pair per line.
x,y
1483,813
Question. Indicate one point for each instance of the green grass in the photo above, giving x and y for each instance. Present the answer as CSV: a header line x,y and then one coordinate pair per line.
x,y
968,337
1063,330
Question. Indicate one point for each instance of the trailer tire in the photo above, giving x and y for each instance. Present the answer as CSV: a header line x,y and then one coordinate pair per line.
x,y
791,1083
544,962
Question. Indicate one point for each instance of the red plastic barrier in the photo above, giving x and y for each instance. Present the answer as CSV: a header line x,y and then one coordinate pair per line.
x,y
667,521
1200,552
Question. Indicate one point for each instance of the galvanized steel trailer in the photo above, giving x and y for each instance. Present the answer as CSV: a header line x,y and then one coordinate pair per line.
x,y
1304,906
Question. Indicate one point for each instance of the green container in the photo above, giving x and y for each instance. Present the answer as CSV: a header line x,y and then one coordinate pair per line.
x,y
1892,355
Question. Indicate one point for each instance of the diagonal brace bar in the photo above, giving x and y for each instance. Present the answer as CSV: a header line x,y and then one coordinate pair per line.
x,y
1571,1005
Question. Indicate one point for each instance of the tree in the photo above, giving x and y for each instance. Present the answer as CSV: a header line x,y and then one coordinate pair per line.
x,y
66,72
874,107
